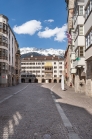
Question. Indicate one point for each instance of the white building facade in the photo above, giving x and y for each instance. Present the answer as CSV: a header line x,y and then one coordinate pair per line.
x,y
40,69
9,54
78,50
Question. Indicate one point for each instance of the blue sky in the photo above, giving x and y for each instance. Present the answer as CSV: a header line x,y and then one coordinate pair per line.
x,y
37,23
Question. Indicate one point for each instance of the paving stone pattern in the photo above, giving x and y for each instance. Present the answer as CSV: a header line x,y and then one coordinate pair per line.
x,y
5,92
78,109
31,114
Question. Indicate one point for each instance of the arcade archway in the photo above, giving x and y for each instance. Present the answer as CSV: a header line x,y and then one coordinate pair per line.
x,y
23,80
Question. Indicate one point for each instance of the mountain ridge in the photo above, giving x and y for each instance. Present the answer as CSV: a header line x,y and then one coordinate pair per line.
x,y
27,51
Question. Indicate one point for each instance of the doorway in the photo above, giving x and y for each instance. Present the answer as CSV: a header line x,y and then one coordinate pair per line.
x,y
55,81
23,80
29,80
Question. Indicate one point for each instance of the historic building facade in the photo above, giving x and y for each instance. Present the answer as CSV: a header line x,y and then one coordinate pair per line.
x,y
88,45
41,69
79,46
70,10
9,55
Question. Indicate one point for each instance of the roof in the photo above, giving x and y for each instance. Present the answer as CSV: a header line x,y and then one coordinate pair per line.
x,y
42,58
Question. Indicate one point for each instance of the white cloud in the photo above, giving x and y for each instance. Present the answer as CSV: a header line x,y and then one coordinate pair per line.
x,y
50,20
29,27
58,33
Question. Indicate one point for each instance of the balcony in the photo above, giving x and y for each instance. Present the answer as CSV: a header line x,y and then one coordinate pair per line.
x,y
79,62
79,21
3,44
48,71
80,41
4,57
72,55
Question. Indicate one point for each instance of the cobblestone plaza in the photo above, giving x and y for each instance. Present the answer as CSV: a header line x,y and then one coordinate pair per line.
x,y
44,111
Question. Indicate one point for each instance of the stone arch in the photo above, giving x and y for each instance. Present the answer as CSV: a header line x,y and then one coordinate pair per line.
x,y
36,80
55,80
30,80
23,80
43,80
49,80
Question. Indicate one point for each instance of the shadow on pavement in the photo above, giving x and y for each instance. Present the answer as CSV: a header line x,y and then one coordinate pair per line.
x,y
80,118
31,112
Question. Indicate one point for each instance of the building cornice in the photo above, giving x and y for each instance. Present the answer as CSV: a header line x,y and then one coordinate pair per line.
x,y
4,16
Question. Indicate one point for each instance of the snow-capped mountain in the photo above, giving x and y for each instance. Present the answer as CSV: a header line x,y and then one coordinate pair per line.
x,y
46,52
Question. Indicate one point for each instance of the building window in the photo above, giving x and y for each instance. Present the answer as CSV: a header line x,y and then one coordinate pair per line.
x,y
23,75
81,10
55,71
37,71
80,30
54,62
3,66
79,52
55,75
48,68
60,67
60,71
55,67
1,25
60,62
3,39
89,39
78,11
88,9
3,54
39,63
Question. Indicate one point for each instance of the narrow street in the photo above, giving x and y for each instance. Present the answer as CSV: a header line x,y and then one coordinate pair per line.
x,y
44,111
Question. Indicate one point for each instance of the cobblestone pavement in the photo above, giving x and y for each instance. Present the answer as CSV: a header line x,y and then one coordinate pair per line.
x,y
78,109
5,92
30,114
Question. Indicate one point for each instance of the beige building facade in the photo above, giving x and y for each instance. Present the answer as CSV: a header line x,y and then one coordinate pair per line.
x,y
42,69
9,55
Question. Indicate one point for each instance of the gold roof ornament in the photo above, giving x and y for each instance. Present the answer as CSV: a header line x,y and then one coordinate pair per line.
x,y
48,64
